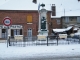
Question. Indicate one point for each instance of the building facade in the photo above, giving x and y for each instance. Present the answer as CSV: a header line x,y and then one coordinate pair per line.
x,y
24,22
70,21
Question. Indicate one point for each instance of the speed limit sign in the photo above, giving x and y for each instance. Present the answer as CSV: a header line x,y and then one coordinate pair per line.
x,y
7,21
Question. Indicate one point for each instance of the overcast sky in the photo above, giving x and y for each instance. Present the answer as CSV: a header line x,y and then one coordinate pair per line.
x,y
72,7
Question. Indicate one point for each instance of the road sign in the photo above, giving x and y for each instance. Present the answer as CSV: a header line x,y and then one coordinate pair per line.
x,y
7,21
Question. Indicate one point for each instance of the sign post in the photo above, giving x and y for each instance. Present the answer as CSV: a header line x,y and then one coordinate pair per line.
x,y
7,22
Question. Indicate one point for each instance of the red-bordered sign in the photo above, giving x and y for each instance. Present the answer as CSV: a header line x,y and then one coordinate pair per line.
x,y
7,21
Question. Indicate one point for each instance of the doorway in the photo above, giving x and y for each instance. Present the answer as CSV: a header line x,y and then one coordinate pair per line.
x,y
29,34
4,35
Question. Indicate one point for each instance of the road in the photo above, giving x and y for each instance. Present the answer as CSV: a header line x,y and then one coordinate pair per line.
x,y
43,58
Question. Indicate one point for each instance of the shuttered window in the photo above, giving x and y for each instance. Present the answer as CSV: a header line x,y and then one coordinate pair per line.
x,y
78,19
66,19
58,21
29,19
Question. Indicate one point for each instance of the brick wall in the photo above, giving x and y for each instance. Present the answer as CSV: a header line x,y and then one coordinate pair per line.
x,y
55,24
19,17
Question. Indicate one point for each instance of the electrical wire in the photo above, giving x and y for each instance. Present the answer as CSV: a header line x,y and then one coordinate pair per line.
x,y
68,11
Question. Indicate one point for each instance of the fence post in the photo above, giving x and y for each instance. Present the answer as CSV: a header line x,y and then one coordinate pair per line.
x,y
79,39
9,41
47,40
69,39
57,39
24,41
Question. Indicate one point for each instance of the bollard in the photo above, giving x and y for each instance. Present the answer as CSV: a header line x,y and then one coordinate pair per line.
x,y
9,41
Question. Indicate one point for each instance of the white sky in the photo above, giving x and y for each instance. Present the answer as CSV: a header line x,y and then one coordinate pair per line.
x,y
71,6
38,51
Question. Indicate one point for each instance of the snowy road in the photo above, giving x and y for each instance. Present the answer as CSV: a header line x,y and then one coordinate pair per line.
x,y
45,58
40,52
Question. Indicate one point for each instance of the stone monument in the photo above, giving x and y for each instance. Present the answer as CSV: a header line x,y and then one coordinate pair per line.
x,y
43,27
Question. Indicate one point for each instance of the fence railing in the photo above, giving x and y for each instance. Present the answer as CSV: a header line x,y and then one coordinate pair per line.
x,y
50,40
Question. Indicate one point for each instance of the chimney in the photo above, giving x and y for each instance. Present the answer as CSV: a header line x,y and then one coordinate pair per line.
x,y
53,8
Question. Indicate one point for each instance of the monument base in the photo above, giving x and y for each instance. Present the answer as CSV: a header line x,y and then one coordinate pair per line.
x,y
42,37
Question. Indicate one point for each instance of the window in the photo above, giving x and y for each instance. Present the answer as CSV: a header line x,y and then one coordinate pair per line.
x,y
58,21
66,19
18,32
3,30
4,35
29,19
78,19
29,33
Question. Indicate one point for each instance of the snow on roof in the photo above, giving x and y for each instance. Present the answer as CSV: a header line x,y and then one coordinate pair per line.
x,y
69,28
59,30
67,8
55,16
21,5
62,30
75,28
63,7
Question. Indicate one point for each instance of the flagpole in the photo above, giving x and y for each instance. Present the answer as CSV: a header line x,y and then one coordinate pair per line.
x,y
38,7
39,18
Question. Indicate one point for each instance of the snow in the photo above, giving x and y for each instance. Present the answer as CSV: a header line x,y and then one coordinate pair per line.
x,y
59,30
37,51
78,33
21,5
71,6
69,28
76,28
62,30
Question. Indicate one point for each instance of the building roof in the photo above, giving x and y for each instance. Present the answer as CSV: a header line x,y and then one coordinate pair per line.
x,y
63,7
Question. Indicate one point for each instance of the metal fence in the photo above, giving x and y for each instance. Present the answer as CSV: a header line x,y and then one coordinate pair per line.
x,y
50,40
69,40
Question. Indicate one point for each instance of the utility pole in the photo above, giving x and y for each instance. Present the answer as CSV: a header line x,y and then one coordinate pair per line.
x,y
64,11
64,14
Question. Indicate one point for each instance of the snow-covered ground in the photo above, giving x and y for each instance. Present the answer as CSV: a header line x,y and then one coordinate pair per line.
x,y
37,51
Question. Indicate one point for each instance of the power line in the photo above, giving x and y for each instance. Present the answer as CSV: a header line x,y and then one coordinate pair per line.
x,y
68,10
